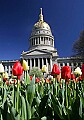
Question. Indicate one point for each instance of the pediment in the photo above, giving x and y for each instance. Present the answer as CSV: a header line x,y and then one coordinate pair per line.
x,y
36,52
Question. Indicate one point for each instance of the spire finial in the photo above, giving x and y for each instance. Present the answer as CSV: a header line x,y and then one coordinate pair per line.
x,y
40,16
41,11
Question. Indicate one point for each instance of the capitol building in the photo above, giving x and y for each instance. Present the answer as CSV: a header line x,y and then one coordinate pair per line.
x,y
42,50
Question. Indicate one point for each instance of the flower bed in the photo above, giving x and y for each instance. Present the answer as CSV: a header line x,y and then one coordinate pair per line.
x,y
24,97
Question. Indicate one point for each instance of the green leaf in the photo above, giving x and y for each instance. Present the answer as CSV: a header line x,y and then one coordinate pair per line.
x,y
4,110
24,112
75,109
30,91
14,114
57,107
28,109
42,105
80,108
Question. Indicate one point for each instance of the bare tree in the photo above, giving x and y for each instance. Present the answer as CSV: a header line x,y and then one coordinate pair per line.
x,y
78,46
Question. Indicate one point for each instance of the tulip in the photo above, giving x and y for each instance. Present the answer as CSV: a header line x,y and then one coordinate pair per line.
x,y
47,80
17,69
82,69
55,71
43,81
19,77
73,76
44,69
4,79
1,68
66,72
25,65
77,72
7,82
5,75
37,80
31,77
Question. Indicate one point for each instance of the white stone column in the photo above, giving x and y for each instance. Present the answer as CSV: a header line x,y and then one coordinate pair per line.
x,y
39,40
46,61
67,64
30,64
72,66
47,65
42,62
9,69
63,64
5,68
38,63
34,62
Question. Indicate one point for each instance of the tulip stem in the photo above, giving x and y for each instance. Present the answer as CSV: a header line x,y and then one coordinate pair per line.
x,y
56,86
66,97
14,94
17,95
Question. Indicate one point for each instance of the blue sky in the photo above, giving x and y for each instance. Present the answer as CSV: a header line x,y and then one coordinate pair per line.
x,y
17,17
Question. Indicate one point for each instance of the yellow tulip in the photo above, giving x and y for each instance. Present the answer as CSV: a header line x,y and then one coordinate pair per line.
x,y
25,66
5,75
44,68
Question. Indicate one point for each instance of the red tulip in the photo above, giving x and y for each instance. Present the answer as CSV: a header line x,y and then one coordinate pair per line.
x,y
66,73
82,69
7,82
19,77
47,80
37,80
31,77
55,70
73,76
17,69
4,79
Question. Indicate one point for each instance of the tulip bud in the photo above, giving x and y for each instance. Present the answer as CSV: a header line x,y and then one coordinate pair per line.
x,y
66,72
17,69
25,66
55,71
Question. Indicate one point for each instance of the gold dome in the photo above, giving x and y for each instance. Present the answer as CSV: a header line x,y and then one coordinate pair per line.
x,y
41,23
